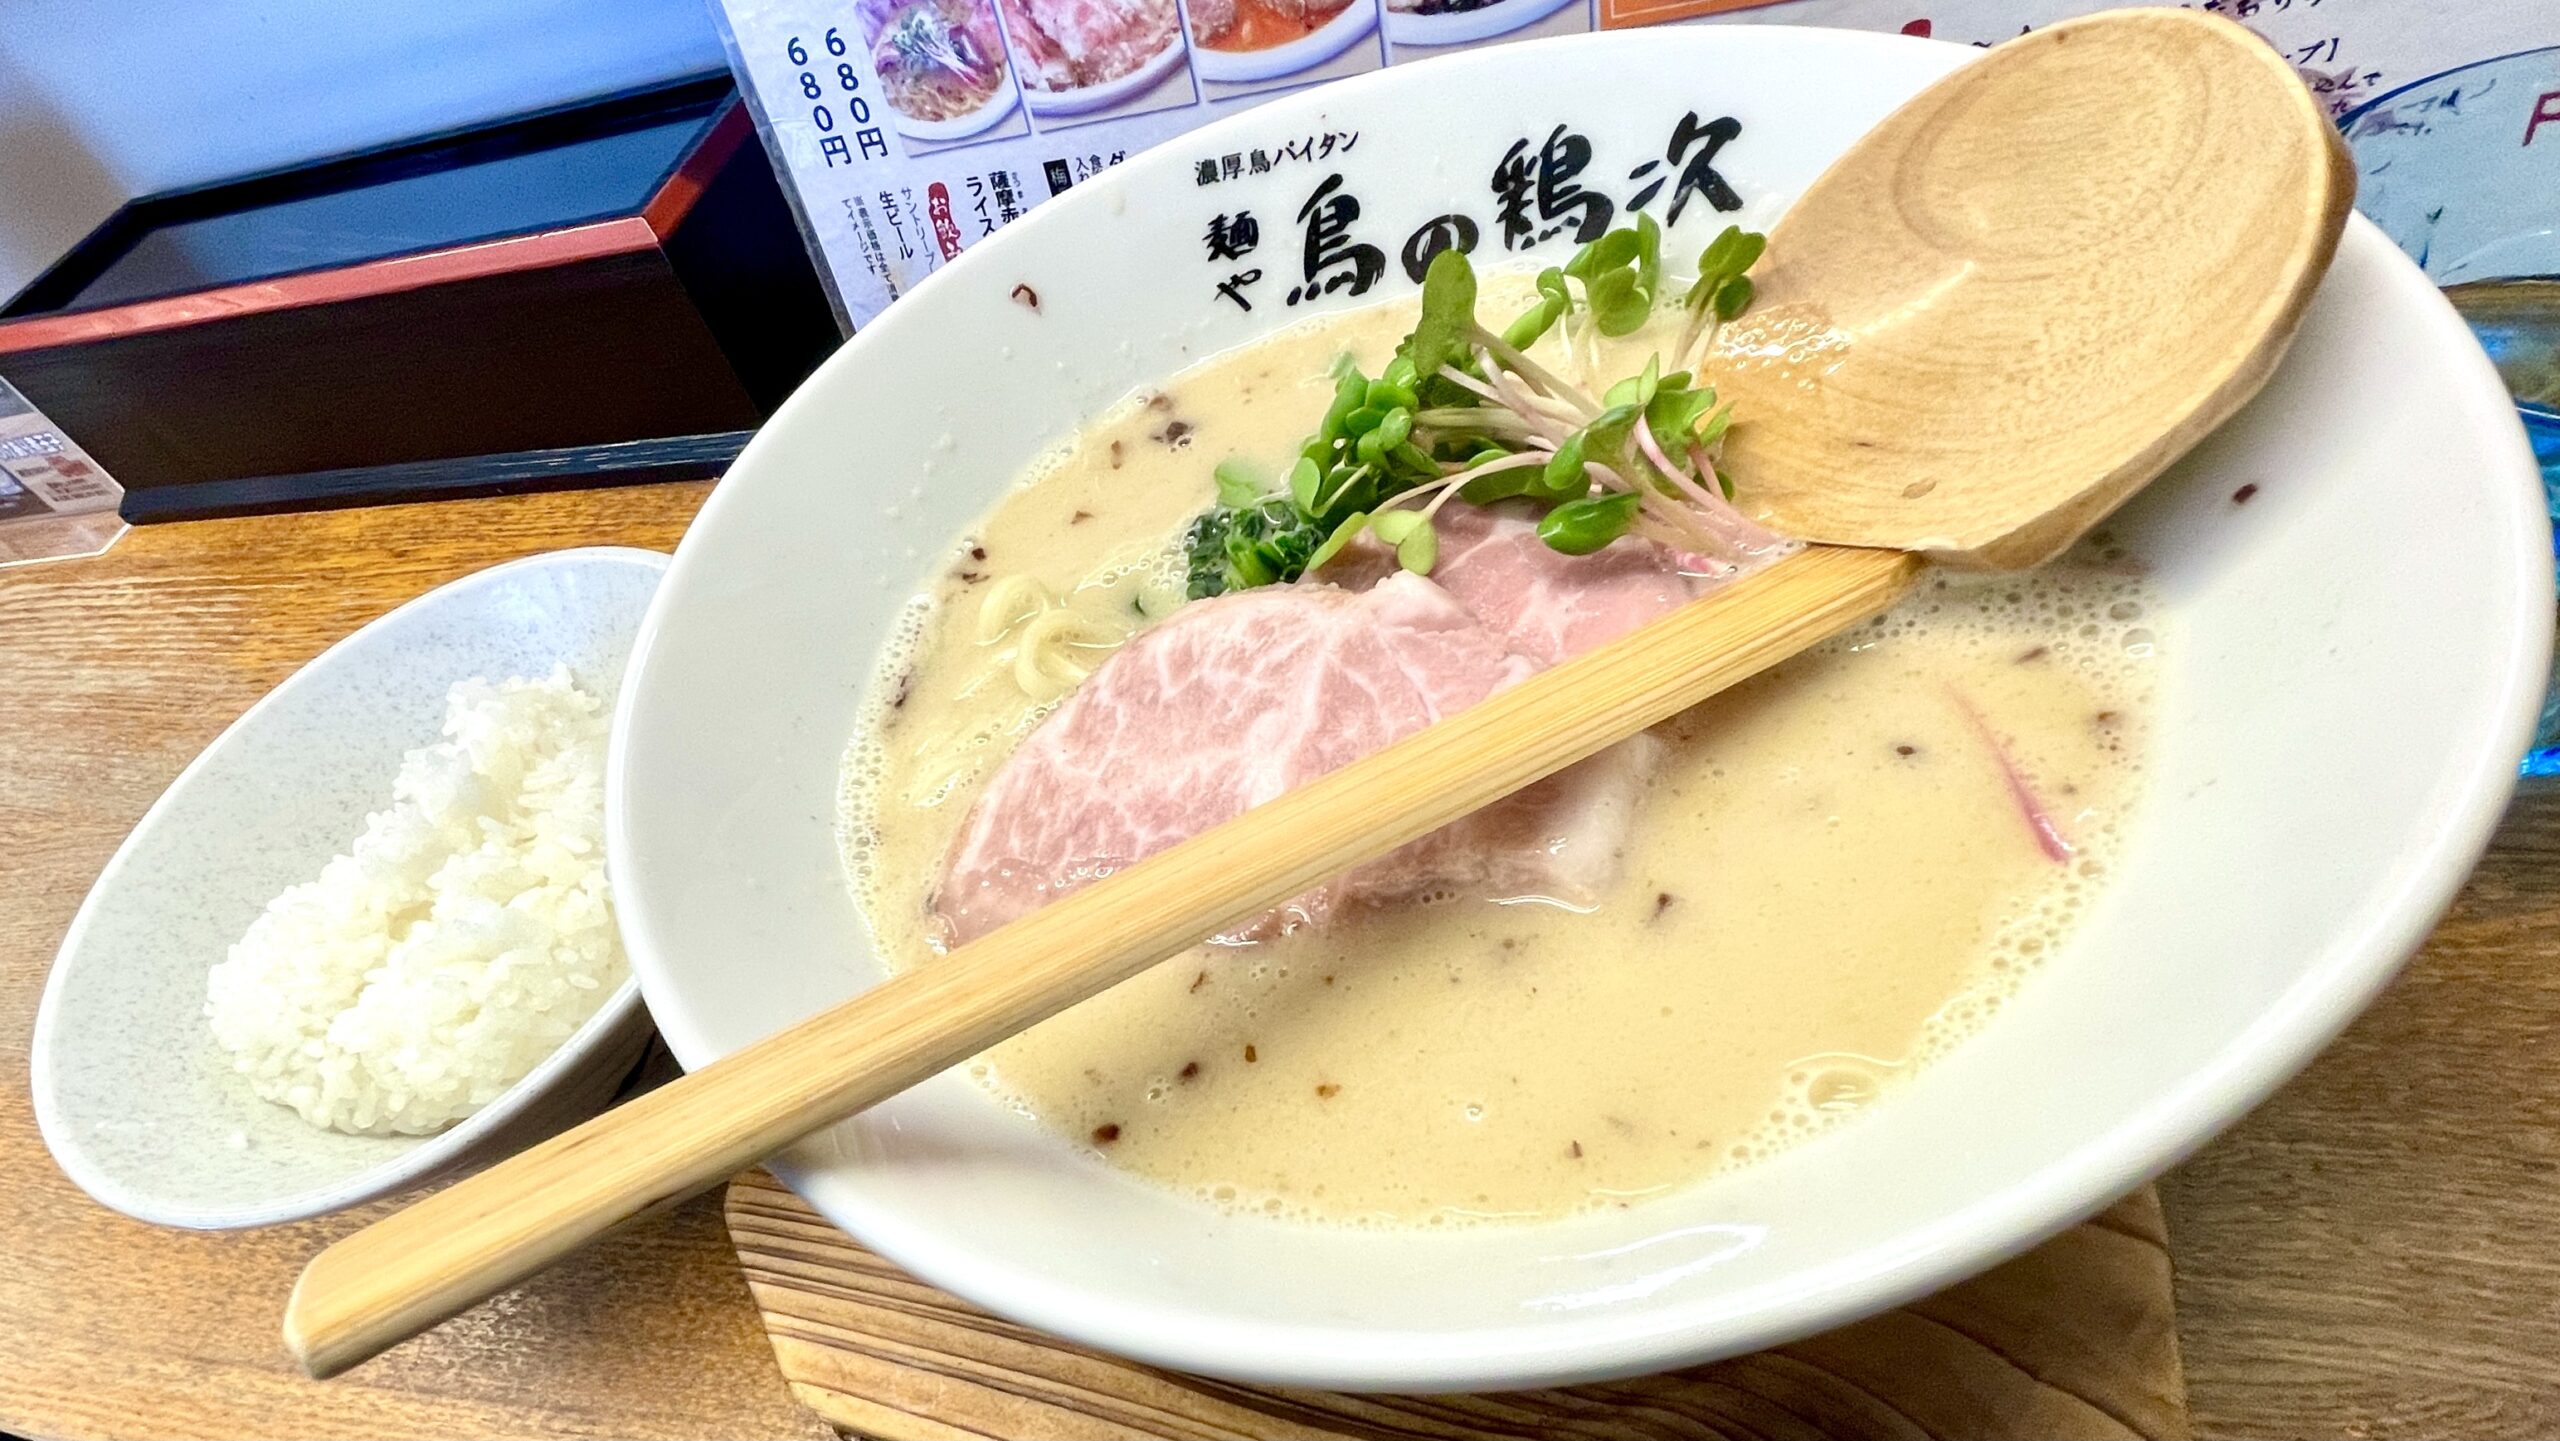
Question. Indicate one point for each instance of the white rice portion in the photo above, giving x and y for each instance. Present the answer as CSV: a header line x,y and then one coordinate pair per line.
x,y
465,938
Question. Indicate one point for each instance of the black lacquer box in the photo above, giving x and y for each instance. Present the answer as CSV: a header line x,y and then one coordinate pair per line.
x,y
606,294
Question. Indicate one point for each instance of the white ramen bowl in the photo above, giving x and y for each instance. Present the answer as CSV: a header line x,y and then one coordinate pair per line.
x,y
2353,664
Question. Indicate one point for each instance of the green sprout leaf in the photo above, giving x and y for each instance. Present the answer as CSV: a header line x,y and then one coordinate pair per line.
x,y
1672,413
1387,395
1413,462
1648,258
1733,297
1564,478
1636,391
1720,265
1500,485
1353,488
1579,527
1420,549
1534,322
1610,252
1393,526
1448,315
1553,301
1605,438
1306,482
1733,251
1349,393
1238,484
1620,273
1618,305
1416,546
1342,536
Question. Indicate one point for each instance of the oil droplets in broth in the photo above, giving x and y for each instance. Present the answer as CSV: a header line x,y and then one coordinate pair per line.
x,y
1832,881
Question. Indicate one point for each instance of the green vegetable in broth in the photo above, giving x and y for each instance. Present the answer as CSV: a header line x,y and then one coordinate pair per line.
x,y
1240,547
1461,411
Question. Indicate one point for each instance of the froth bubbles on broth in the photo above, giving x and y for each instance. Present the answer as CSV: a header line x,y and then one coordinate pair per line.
x,y
1827,877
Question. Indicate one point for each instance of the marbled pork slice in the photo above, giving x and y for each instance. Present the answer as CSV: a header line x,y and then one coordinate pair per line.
x,y
1241,697
1544,604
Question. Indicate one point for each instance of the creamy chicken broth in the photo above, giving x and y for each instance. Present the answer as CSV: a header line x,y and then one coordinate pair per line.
x,y
1832,876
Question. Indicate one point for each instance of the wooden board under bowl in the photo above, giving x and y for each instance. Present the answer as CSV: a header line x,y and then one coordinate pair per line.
x,y
2077,1338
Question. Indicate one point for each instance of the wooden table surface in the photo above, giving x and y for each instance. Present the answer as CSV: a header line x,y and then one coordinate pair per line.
x,y
2370,1254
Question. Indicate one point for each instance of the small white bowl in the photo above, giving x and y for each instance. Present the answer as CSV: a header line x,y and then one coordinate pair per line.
x,y
137,1103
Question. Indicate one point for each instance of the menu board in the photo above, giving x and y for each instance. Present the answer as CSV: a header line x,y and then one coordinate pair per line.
x,y
909,129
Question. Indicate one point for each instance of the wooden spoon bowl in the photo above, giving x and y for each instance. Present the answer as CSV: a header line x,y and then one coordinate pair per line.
x,y
2032,288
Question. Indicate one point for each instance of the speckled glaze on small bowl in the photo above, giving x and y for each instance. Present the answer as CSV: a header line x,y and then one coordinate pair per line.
x,y
137,1103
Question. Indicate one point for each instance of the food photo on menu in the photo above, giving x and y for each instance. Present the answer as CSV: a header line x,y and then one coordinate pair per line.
x,y
1092,60
1243,47
1417,26
1352,718
942,67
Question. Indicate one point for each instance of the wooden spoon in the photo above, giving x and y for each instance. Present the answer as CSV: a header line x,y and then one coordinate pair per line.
x,y
2019,298
2033,287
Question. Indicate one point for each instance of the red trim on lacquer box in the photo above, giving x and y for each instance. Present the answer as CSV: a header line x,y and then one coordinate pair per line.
x,y
325,287
675,199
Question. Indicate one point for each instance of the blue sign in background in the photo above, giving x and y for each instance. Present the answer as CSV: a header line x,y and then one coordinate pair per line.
x,y
2462,171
